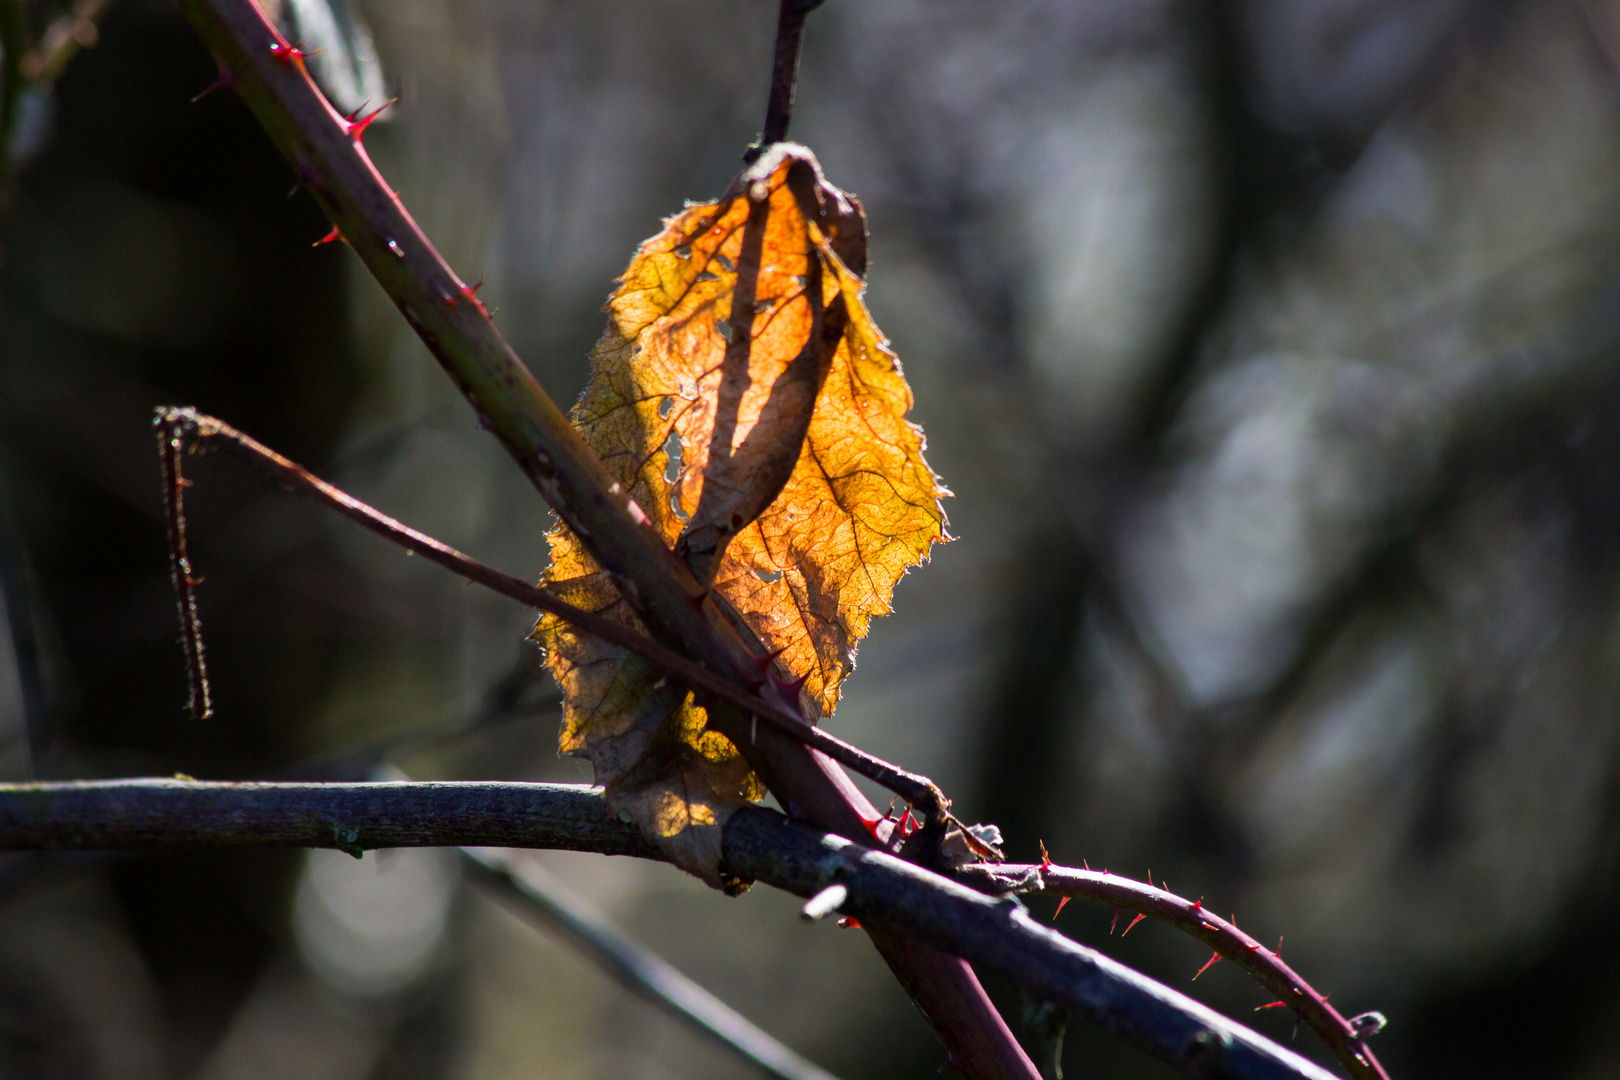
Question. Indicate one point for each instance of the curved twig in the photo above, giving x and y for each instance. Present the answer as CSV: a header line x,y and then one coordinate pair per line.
x,y
1191,917
183,429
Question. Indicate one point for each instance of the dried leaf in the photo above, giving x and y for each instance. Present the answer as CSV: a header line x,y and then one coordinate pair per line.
x,y
746,401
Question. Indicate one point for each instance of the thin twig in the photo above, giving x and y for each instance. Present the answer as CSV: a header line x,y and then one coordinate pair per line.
x,y
171,450
761,845
540,895
784,74
1191,917
180,429
74,30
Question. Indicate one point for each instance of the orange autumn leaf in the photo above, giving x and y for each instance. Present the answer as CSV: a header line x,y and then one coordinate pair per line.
x,y
746,401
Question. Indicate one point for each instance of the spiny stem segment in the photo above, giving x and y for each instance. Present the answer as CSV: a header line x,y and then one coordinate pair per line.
x,y
181,430
171,448
1191,917
784,74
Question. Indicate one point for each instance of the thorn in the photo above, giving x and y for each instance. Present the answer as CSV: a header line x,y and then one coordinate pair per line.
x,y
1061,901
287,54
335,234
762,665
1139,918
1046,860
1086,865
951,1065
1272,1005
469,293
1198,904
789,691
764,662
1150,875
849,922
223,80
1207,965
357,128
1115,922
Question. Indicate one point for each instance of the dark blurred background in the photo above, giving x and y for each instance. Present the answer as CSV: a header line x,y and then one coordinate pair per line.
x,y
1268,345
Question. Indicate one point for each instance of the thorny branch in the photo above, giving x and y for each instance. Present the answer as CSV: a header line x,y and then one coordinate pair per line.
x,y
325,151
171,451
1344,1037
761,845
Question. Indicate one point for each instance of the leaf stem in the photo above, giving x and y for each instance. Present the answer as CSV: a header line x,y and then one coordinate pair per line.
x,y
784,74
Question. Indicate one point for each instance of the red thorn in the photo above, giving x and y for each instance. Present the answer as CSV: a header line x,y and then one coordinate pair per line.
x,y
1207,965
849,922
1046,861
1139,918
1272,1005
1198,904
223,80
335,234
285,53
1061,901
1115,922
1150,875
1086,865
357,128
908,825
469,293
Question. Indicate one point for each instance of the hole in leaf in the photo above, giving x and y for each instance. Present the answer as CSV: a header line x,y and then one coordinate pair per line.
x,y
665,407
672,451
725,263
723,328
771,578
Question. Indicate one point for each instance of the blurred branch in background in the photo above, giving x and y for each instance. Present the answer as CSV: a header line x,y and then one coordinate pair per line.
x,y
28,68
537,893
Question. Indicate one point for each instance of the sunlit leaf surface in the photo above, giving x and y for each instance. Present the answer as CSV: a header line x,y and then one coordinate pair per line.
x,y
747,402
